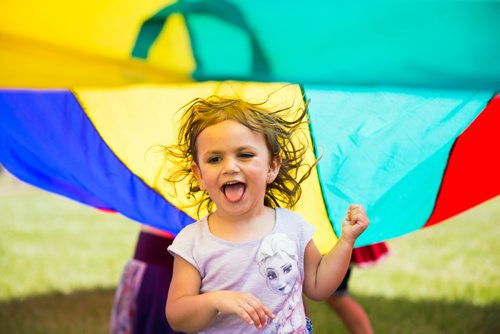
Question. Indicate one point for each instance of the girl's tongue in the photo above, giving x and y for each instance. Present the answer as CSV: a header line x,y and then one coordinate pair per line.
x,y
234,192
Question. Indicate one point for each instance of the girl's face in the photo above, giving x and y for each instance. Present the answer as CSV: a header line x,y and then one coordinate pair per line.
x,y
281,272
234,166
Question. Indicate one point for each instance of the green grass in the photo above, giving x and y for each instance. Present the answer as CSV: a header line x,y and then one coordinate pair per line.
x,y
60,263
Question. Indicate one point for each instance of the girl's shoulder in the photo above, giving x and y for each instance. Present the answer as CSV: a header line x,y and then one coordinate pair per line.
x,y
287,214
196,227
285,218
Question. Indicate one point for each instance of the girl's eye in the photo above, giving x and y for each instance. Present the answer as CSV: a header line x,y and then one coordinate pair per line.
x,y
213,160
246,155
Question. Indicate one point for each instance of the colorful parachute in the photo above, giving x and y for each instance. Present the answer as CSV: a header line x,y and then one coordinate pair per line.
x,y
403,113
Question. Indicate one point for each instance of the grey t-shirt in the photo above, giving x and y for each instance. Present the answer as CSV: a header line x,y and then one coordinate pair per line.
x,y
271,268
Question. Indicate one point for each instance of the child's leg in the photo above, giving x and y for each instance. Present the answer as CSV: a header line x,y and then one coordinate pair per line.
x,y
349,311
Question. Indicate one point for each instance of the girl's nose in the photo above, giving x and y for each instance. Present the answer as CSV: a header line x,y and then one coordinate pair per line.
x,y
230,166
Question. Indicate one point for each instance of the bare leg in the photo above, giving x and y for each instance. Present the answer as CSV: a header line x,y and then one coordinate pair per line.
x,y
351,313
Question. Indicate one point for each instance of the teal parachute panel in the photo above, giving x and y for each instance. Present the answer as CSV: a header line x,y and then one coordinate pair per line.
x,y
447,44
387,150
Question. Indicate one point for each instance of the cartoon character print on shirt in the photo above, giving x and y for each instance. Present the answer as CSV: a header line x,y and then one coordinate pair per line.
x,y
278,262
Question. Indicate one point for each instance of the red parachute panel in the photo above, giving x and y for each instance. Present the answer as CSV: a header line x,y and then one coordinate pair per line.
x,y
472,175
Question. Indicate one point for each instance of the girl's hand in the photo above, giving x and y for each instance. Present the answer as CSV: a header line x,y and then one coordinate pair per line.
x,y
243,304
355,222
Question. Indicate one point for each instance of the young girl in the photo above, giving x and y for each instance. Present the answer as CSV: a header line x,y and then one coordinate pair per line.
x,y
242,163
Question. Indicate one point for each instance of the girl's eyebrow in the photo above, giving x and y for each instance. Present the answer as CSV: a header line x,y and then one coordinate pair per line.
x,y
212,152
246,147
237,149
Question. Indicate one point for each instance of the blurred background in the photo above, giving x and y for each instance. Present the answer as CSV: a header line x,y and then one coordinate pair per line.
x,y
61,262
68,68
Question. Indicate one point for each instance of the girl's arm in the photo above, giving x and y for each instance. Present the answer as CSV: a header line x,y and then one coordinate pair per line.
x,y
323,274
189,311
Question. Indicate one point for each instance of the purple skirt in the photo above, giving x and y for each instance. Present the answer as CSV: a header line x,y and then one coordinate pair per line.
x,y
139,305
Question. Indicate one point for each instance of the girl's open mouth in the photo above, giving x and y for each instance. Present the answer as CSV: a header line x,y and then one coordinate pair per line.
x,y
233,191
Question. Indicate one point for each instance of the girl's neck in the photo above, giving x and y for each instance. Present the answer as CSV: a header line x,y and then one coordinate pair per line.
x,y
242,229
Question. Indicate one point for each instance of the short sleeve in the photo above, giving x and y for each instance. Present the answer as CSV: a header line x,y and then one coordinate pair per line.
x,y
184,244
296,224
306,230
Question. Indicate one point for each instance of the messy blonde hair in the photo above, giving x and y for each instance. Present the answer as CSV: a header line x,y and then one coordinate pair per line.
x,y
277,130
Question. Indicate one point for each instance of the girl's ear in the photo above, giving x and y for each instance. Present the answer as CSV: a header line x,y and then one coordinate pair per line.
x,y
197,174
274,168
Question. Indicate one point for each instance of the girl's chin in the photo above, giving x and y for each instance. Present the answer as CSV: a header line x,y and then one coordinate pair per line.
x,y
233,203
236,209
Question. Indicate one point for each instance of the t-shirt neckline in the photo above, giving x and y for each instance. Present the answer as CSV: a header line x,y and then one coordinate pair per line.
x,y
241,243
